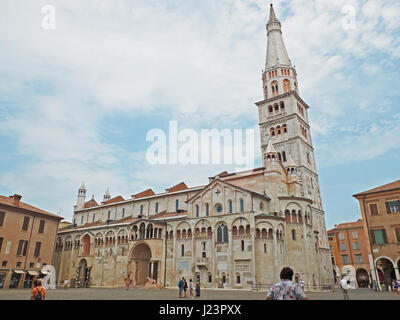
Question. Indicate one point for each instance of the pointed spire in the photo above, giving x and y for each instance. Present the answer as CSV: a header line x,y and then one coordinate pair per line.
x,y
270,148
108,192
272,16
276,49
83,186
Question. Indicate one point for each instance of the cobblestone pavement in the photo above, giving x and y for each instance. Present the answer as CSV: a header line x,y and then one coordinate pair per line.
x,y
169,294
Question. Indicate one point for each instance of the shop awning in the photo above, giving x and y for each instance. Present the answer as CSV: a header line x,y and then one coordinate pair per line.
x,y
33,272
19,271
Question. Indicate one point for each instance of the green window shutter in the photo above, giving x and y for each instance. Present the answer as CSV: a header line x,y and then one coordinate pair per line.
x,y
379,238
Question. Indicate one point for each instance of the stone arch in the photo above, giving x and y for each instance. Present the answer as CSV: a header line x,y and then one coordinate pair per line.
x,y
140,258
86,245
386,267
110,238
362,278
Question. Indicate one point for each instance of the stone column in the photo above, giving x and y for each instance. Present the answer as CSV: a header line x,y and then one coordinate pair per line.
x,y
396,270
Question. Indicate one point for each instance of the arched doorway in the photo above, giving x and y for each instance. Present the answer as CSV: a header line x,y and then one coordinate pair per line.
x,y
386,271
83,274
362,278
141,256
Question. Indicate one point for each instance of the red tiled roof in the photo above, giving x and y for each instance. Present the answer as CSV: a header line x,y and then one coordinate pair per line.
x,y
10,202
146,193
114,200
90,204
356,224
387,187
179,187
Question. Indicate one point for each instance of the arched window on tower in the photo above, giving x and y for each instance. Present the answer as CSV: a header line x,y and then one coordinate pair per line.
x,y
278,130
274,86
276,107
286,85
282,104
270,109
284,128
272,132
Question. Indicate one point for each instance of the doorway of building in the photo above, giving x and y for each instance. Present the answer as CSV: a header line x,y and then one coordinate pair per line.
x,y
83,273
386,272
141,256
362,278
15,277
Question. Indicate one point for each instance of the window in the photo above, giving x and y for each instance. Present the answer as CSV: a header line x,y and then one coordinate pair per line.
x,y
359,258
293,234
22,247
183,250
41,226
333,260
242,245
230,206
223,278
141,209
341,236
345,259
238,278
18,264
378,236
209,278
37,249
4,264
373,208
283,156
222,234
156,207
207,209
393,206
2,215
241,205
123,212
330,247
355,235
82,219
218,208
197,210
356,246
176,204
265,248
343,246
25,224
397,230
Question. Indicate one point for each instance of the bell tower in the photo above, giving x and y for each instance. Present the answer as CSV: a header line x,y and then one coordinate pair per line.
x,y
283,115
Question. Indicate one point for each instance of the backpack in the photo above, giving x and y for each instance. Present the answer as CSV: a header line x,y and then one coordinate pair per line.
x,y
39,294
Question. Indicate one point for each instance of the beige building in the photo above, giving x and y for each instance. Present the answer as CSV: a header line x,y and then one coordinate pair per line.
x,y
237,231
380,208
27,239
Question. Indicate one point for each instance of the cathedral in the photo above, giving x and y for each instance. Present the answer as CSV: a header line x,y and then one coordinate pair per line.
x,y
238,231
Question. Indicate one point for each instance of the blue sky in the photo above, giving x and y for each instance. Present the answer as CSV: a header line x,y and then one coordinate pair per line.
x,y
77,102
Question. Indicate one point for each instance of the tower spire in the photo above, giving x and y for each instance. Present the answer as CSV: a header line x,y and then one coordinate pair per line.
x,y
276,51
272,16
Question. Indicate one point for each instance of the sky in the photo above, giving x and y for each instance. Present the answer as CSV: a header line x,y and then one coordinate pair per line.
x,y
80,92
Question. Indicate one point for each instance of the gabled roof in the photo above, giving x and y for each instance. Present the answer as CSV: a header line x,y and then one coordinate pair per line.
x,y
386,187
164,214
22,205
231,185
146,193
90,204
179,187
114,200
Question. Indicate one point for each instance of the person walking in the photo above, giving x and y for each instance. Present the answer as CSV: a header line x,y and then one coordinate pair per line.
x,y
345,289
286,289
191,288
180,286
38,292
198,288
185,286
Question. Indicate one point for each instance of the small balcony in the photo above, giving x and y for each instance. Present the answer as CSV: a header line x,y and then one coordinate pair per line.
x,y
202,262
